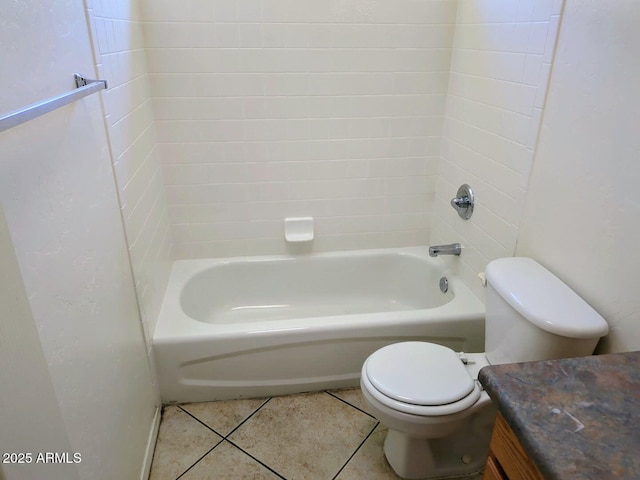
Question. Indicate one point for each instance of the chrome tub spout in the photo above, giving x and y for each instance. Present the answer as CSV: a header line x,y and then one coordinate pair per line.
x,y
451,249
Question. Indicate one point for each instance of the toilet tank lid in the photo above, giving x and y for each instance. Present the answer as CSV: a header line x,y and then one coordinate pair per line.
x,y
545,300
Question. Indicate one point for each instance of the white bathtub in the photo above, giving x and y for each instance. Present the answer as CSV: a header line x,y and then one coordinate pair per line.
x,y
246,327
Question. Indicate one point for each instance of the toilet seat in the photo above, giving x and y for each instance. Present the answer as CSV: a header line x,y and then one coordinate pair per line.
x,y
420,378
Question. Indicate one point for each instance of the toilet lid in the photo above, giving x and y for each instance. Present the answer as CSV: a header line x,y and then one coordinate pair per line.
x,y
419,373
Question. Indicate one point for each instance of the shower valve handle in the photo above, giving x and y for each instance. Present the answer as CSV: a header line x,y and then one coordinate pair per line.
x,y
460,202
464,202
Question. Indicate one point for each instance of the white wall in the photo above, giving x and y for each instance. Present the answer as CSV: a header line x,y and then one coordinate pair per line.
x,y
58,194
275,108
120,58
582,215
29,414
502,55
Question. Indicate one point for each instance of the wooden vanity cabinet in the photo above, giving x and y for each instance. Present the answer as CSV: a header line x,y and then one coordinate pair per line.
x,y
507,459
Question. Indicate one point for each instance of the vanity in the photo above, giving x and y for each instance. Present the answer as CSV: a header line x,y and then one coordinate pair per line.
x,y
569,419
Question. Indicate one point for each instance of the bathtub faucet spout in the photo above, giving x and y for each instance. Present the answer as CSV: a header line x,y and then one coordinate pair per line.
x,y
451,249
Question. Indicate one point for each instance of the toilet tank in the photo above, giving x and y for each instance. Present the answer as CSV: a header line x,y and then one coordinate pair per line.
x,y
533,315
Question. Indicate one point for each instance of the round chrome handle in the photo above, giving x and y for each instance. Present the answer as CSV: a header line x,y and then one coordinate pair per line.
x,y
460,202
464,202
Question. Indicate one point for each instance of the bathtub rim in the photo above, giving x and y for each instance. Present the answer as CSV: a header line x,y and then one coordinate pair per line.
x,y
175,325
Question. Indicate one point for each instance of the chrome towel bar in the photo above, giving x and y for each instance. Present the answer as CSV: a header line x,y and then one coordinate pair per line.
x,y
84,87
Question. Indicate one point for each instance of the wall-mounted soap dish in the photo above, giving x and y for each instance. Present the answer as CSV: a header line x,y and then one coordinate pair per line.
x,y
298,229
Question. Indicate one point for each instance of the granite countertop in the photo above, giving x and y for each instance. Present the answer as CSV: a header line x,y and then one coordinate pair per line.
x,y
578,418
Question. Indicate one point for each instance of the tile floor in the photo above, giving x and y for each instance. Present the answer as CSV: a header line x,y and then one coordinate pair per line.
x,y
312,436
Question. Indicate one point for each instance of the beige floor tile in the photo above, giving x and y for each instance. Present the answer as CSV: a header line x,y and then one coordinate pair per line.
x,y
352,396
226,462
308,436
181,442
224,416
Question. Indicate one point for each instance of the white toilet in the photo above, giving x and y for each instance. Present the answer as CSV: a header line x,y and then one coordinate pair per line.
x,y
428,396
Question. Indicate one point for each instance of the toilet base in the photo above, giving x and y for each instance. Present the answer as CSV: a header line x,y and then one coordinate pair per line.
x,y
462,453
409,457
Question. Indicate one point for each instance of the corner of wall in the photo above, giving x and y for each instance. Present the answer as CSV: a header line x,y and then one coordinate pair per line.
x,y
120,58
500,68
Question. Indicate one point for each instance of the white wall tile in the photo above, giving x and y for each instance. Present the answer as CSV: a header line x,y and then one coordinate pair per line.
x,y
499,74
133,139
275,108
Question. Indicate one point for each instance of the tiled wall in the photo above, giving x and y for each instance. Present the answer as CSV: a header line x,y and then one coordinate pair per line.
x,y
274,108
503,50
119,50
266,109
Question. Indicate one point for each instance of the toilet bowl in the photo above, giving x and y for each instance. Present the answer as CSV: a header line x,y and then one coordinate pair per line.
x,y
438,418
417,414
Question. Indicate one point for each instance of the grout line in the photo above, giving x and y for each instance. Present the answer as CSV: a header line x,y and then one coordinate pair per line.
x,y
234,429
356,450
196,462
201,422
226,437
245,420
255,459
344,401
223,438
